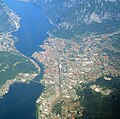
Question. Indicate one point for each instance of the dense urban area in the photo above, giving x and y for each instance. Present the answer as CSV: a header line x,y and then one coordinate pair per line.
x,y
68,64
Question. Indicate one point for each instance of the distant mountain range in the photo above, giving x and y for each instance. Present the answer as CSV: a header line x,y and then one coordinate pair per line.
x,y
74,17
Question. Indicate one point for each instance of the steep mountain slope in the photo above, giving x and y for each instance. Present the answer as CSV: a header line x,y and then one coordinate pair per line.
x,y
73,17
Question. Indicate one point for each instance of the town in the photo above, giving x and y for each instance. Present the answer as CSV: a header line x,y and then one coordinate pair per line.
x,y
67,65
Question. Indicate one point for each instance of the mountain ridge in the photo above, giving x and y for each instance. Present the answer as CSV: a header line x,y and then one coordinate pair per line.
x,y
74,17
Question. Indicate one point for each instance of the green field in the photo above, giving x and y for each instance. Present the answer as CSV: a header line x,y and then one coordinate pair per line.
x,y
12,64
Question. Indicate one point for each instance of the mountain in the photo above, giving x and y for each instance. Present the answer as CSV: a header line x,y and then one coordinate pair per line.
x,y
74,17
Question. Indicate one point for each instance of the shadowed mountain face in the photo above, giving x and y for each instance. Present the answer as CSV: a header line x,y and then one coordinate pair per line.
x,y
74,17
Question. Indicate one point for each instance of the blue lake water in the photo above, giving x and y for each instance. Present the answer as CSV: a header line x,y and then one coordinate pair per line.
x,y
19,102
33,26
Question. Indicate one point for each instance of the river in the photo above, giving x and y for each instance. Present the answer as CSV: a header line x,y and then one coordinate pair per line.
x,y
19,102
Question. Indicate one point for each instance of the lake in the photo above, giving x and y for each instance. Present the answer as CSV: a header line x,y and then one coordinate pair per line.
x,y
33,26
19,102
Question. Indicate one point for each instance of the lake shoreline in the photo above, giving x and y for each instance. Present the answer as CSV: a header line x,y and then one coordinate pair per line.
x,y
15,85
5,88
